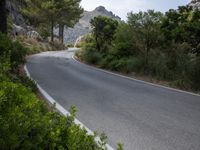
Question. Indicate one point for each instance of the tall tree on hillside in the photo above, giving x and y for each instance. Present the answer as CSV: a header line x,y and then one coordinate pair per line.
x,y
104,29
50,12
146,31
33,11
68,14
45,11
3,17
183,26
53,12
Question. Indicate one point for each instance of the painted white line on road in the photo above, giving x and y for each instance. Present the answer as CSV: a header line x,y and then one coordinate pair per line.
x,y
133,79
63,111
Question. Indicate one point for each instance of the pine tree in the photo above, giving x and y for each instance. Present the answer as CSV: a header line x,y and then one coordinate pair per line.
x,y
53,13
68,14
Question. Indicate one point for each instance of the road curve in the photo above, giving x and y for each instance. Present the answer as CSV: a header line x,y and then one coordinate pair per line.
x,y
139,115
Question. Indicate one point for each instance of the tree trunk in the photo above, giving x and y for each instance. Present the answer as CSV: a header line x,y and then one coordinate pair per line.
x,y
3,16
61,33
52,34
146,68
97,44
62,39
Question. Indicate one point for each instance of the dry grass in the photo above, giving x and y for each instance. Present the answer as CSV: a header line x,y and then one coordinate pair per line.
x,y
34,46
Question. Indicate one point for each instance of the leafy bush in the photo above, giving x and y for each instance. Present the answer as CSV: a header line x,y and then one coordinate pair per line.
x,y
103,29
126,65
44,30
106,60
115,64
90,55
17,55
25,81
134,64
123,43
5,50
194,74
11,53
25,123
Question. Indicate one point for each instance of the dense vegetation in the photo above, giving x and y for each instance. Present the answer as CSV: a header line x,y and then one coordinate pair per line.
x,y
25,121
45,15
48,14
165,47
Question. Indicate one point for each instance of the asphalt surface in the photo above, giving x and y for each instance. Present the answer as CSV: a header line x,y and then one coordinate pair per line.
x,y
139,115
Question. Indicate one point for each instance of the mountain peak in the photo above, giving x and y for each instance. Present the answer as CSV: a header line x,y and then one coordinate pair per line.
x,y
100,8
83,26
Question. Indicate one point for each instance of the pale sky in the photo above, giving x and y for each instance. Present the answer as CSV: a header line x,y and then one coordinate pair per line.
x,y
122,7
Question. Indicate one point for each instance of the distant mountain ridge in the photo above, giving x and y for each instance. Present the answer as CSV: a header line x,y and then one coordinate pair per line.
x,y
83,26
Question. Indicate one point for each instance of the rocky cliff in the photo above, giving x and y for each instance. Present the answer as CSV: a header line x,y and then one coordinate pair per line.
x,y
13,8
83,26
19,24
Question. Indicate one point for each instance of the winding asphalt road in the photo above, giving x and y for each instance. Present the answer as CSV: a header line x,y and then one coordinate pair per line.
x,y
139,115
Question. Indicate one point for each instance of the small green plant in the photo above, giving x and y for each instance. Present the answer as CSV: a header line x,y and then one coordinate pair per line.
x,y
5,51
25,123
120,146
26,81
11,53
90,55
17,55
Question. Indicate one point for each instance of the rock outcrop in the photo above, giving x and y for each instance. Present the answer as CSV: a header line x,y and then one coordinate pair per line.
x,y
13,8
20,26
83,26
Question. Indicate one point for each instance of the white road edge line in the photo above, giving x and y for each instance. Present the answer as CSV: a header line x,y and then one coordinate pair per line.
x,y
63,111
141,81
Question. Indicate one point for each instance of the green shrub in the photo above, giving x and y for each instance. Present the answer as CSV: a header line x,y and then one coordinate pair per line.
x,y
90,55
106,60
125,65
114,64
25,81
12,54
17,55
134,64
194,74
93,57
5,50
25,123
44,31
158,66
